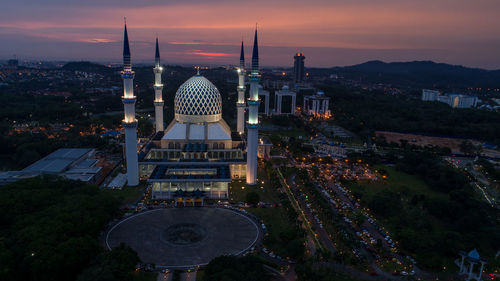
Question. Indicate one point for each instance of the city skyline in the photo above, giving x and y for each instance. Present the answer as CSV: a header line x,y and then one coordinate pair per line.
x,y
330,33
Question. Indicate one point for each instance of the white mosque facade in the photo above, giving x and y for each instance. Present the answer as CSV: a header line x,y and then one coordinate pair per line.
x,y
196,156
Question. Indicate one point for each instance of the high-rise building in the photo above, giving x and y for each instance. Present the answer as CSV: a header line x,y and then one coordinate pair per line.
x,y
158,86
253,116
298,68
129,122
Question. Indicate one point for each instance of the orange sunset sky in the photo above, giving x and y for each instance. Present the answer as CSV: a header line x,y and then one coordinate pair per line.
x,y
330,33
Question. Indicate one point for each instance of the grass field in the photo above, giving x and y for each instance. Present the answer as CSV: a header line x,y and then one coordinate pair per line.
x,y
128,194
276,221
292,131
408,217
398,182
200,275
296,133
238,189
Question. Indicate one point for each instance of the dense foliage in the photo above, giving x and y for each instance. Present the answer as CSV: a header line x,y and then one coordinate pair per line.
x,y
23,106
49,228
288,241
225,268
17,151
115,265
332,221
252,198
366,111
434,224
307,272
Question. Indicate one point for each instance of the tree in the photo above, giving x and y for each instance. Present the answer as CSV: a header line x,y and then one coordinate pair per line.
x,y
253,198
385,203
247,268
114,265
359,217
50,227
144,127
295,249
467,148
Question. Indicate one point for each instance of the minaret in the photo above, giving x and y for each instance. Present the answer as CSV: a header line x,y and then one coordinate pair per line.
x,y
240,104
129,122
158,86
253,117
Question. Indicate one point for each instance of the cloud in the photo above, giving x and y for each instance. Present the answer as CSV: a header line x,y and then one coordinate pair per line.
x,y
98,40
184,43
466,30
209,54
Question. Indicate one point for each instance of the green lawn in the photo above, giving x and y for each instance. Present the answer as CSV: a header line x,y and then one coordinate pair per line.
x,y
238,189
238,192
398,182
200,275
296,133
128,194
277,222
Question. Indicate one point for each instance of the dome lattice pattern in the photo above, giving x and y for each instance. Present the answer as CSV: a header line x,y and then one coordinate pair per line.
x,y
198,96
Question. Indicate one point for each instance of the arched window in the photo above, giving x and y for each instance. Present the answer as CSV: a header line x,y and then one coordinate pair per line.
x,y
177,145
221,145
171,145
215,146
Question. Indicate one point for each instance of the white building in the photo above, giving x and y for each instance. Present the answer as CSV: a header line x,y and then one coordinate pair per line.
x,y
71,163
452,99
197,156
278,100
317,106
461,101
430,95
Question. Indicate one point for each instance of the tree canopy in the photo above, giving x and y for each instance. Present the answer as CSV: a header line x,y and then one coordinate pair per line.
x,y
226,268
49,227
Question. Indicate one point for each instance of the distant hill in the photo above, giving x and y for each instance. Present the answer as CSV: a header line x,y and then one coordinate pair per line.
x,y
414,66
85,66
420,74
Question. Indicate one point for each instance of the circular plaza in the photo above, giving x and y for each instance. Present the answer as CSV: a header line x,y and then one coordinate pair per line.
x,y
185,237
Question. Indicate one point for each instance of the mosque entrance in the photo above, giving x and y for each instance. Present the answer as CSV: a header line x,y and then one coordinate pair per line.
x,y
198,202
189,202
179,202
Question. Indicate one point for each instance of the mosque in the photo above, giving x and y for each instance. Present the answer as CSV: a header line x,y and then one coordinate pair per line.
x,y
196,156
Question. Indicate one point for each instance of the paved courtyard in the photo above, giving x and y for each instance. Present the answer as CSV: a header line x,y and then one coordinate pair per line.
x,y
185,237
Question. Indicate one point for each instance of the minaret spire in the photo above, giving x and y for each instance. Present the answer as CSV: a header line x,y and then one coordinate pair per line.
x,y
126,49
242,56
157,53
255,53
